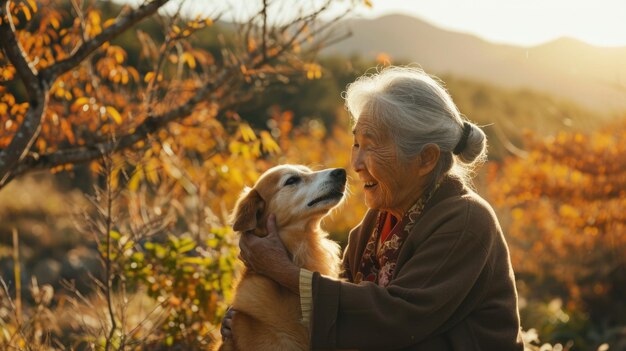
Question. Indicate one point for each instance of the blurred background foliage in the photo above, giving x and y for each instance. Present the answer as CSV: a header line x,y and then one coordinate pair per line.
x,y
148,258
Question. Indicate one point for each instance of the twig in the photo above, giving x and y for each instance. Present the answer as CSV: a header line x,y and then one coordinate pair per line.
x,y
506,142
18,276
109,205
264,34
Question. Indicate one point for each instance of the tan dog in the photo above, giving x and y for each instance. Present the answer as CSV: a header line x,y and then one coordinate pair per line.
x,y
268,315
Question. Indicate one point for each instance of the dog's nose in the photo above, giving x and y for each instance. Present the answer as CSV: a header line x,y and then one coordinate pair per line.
x,y
339,174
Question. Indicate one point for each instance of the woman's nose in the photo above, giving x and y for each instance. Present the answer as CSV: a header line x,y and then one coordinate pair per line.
x,y
356,160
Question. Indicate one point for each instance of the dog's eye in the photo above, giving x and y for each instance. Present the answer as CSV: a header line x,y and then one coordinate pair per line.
x,y
292,180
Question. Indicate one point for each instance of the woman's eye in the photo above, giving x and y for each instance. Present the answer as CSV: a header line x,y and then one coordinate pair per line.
x,y
292,180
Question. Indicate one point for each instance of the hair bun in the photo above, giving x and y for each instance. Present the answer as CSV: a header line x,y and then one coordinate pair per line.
x,y
475,145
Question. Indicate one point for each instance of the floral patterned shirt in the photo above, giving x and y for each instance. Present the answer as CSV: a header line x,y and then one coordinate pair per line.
x,y
378,262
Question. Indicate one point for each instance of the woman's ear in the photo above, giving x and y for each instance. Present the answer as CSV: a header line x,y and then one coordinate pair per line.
x,y
248,210
428,159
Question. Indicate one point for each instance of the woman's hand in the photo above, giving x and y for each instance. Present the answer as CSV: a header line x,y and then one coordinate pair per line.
x,y
269,257
227,324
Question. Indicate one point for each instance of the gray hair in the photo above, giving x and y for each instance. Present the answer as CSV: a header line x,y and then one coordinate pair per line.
x,y
417,110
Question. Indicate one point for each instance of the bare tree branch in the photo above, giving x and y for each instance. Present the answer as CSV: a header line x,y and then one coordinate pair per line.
x,y
264,34
330,37
37,94
15,53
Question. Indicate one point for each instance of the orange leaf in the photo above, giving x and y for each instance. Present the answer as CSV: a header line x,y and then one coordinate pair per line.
x,y
114,114
133,72
27,13
55,23
108,23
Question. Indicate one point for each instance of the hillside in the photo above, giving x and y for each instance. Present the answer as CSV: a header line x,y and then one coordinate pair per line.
x,y
593,76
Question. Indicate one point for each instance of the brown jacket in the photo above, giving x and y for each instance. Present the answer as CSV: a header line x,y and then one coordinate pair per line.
x,y
453,287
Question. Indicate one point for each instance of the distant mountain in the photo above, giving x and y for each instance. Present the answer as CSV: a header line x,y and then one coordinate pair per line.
x,y
594,77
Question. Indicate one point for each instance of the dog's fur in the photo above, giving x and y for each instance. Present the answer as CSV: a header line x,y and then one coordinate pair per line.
x,y
268,315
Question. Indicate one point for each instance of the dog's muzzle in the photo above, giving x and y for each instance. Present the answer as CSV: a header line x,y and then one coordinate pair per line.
x,y
338,183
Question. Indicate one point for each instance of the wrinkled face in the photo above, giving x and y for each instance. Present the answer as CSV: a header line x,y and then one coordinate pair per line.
x,y
295,194
389,183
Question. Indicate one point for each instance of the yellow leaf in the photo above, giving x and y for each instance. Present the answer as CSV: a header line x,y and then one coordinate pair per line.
x,y
135,180
148,77
246,132
189,59
208,22
119,57
115,177
94,17
368,3
151,170
33,5
176,29
114,114
269,145
78,103
59,93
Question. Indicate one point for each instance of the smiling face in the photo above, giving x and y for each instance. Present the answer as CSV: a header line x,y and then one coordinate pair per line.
x,y
390,183
295,194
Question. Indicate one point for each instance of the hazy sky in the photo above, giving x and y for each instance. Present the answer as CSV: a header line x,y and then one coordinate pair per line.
x,y
522,22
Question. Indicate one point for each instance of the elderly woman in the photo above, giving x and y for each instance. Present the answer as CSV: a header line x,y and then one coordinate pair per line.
x,y
428,267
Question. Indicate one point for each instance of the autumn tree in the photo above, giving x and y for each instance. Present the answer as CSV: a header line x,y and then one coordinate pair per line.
x,y
563,207
70,94
159,117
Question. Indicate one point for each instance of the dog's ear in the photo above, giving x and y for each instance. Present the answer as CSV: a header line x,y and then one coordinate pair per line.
x,y
248,210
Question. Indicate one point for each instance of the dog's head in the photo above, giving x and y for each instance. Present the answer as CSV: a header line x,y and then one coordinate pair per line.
x,y
297,196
